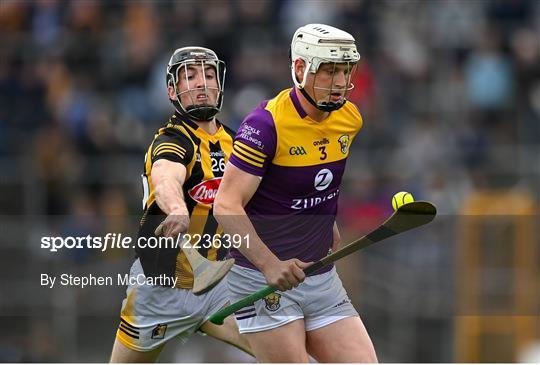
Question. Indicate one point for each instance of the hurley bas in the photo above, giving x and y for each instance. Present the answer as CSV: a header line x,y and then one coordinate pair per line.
x,y
93,280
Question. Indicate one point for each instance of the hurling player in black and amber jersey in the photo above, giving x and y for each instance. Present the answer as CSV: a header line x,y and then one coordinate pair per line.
x,y
182,172
203,156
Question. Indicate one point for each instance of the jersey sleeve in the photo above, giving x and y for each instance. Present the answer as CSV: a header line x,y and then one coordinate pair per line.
x,y
254,146
173,147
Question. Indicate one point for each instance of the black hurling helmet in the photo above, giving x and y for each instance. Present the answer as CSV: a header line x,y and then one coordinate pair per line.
x,y
183,57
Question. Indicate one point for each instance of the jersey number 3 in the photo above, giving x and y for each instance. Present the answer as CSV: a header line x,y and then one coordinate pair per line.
x,y
323,153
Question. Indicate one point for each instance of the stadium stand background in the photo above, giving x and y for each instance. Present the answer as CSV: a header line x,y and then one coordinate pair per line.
x,y
450,94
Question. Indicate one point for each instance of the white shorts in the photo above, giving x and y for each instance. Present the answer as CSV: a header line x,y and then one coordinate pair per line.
x,y
320,300
152,315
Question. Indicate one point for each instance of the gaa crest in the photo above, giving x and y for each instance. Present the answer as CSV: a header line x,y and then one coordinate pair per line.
x,y
344,143
272,302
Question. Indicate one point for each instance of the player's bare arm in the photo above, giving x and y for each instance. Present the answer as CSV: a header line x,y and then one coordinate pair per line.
x,y
168,178
235,191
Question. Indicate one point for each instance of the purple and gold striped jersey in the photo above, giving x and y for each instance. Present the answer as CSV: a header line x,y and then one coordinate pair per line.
x,y
301,163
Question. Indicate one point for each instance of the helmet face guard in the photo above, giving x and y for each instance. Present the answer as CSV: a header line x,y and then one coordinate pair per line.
x,y
318,44
183,59
326,104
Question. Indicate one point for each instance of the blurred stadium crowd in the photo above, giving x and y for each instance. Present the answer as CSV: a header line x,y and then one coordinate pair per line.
x,y
449,91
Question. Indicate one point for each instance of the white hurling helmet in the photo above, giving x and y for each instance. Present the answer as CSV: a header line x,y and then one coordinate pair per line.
x,y
317,44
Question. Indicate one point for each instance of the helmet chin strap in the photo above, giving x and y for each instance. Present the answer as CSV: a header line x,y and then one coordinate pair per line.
x,y
199,113
325,106
202,113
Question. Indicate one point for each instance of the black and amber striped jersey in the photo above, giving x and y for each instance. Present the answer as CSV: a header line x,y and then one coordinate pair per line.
x,y
204,157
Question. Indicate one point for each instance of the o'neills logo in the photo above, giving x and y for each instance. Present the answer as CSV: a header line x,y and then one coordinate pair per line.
x,y
206,191
321,142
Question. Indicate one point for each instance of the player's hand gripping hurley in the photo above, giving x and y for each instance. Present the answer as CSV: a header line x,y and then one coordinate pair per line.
x,y
405,218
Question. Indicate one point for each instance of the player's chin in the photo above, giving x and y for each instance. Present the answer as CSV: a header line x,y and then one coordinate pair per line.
x,y
206,102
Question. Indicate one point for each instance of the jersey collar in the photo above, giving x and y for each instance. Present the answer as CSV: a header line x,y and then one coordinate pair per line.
x,y
179,118
294,98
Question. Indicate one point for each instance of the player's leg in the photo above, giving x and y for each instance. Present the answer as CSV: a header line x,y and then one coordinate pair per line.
x,y
335,332
286,343
151,316
123,354
216,299
274,326
343,341
228,332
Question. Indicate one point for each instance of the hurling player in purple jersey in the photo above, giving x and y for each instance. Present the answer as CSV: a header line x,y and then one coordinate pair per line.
x,y
280,190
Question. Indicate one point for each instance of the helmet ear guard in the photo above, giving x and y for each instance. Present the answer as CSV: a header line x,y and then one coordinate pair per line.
x,y
307,69
316,44
183,57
